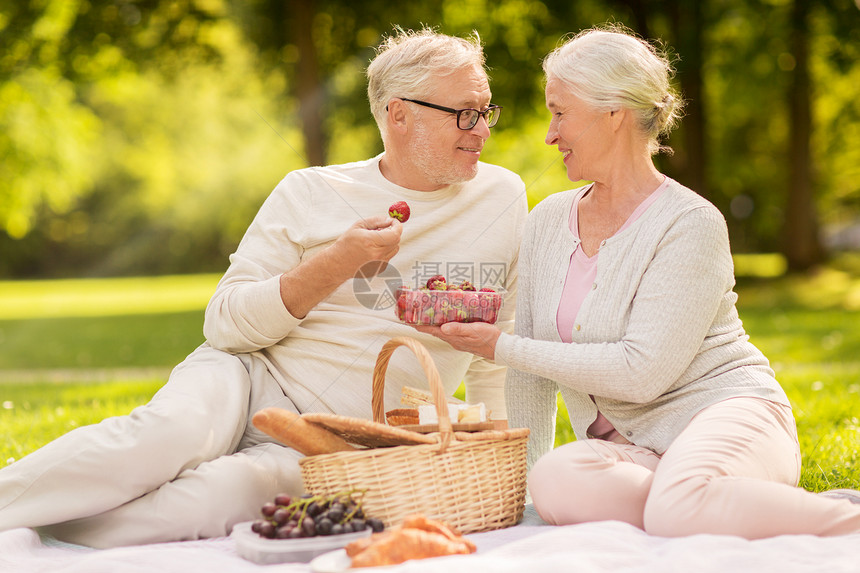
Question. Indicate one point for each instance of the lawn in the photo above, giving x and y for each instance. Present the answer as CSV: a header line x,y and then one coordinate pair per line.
x,y
114,355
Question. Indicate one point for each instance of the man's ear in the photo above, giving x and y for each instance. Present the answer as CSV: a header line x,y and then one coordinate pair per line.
x,y
397,115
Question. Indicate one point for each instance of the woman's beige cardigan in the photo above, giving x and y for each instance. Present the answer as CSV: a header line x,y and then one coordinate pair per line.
x,y
656,340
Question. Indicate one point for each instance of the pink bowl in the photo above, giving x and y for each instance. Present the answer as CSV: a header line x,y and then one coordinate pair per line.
x,y
435,307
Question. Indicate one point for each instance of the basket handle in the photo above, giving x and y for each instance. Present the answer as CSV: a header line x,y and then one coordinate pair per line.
x,y
446,431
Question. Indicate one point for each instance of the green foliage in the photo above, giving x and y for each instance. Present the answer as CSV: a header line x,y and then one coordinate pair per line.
x,y
115,161
45,141
141,137
523,151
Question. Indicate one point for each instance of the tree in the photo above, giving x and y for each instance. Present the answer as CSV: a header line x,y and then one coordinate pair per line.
x,y
802,247
317,43
308,83
687,22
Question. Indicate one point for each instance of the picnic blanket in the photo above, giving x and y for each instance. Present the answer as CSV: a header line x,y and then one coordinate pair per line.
x,y
529,547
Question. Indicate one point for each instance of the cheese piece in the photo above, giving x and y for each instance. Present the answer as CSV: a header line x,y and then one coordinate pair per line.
x,y
427,414
469,413
458,413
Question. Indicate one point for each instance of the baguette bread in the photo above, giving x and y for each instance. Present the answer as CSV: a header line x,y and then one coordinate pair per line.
x,y
291,430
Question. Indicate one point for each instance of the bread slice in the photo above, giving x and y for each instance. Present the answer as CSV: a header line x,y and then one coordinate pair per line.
x,y
402,416
413,397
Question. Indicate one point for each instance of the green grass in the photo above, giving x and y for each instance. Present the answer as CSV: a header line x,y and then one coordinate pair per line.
x,y
805,325
105,297
131,341
33,414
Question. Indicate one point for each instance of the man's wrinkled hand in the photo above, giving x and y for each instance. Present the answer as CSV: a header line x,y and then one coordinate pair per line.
x,y
373,240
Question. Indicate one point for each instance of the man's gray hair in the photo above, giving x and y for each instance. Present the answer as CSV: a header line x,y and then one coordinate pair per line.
x,y
610,68
407,63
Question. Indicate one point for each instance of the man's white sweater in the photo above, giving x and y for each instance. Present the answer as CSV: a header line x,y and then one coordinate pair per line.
x,y
324,362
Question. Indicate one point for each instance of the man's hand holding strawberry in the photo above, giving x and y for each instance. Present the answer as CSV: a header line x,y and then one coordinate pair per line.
x,y
374,239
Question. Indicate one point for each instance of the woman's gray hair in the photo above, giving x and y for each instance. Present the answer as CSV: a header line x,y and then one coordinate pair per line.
x,y
408,62
610,68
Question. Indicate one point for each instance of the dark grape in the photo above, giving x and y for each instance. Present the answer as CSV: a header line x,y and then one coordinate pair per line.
x,y
309,527
283,532
309,515
268,509
281,516
267,529
324,526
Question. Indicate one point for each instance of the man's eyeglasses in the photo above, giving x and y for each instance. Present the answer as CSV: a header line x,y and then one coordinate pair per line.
x,y
466,118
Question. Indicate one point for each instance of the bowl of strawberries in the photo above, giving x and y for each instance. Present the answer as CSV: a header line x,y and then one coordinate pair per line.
x,y
440,301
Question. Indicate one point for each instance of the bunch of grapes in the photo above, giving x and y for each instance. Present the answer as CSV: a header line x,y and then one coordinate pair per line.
x,y
311,515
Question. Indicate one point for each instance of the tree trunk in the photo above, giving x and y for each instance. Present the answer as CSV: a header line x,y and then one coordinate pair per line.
x,y
689,28
309,86
688,165
802,245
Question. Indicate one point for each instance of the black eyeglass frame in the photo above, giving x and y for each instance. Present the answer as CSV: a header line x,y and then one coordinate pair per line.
x,y
495,109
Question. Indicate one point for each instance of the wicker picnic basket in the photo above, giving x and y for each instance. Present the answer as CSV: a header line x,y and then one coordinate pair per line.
x,y
475,481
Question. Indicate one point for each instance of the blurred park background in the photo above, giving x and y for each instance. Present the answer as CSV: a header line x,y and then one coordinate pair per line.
x,y
138,138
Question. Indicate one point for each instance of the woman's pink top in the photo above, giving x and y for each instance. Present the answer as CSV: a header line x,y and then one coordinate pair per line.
x,y
577,285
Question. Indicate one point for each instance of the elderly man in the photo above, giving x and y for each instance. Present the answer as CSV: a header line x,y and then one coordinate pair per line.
x,y
299,317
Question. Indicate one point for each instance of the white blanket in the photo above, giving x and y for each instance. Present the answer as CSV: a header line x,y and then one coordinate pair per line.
x,y
530,547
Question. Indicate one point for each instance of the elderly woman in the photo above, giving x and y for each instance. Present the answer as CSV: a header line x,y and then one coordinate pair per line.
x,y
626,306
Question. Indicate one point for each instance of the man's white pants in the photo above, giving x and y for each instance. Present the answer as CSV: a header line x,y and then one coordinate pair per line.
x,y
188,464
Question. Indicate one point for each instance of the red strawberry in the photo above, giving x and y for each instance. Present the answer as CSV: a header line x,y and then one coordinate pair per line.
x,y
466,285
437,282
400,211
487,289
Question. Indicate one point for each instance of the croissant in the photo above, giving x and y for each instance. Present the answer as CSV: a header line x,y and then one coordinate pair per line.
x,y
355,547
399,545
420,521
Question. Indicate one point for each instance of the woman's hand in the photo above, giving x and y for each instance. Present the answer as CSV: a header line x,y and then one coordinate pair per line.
x,y
479,338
